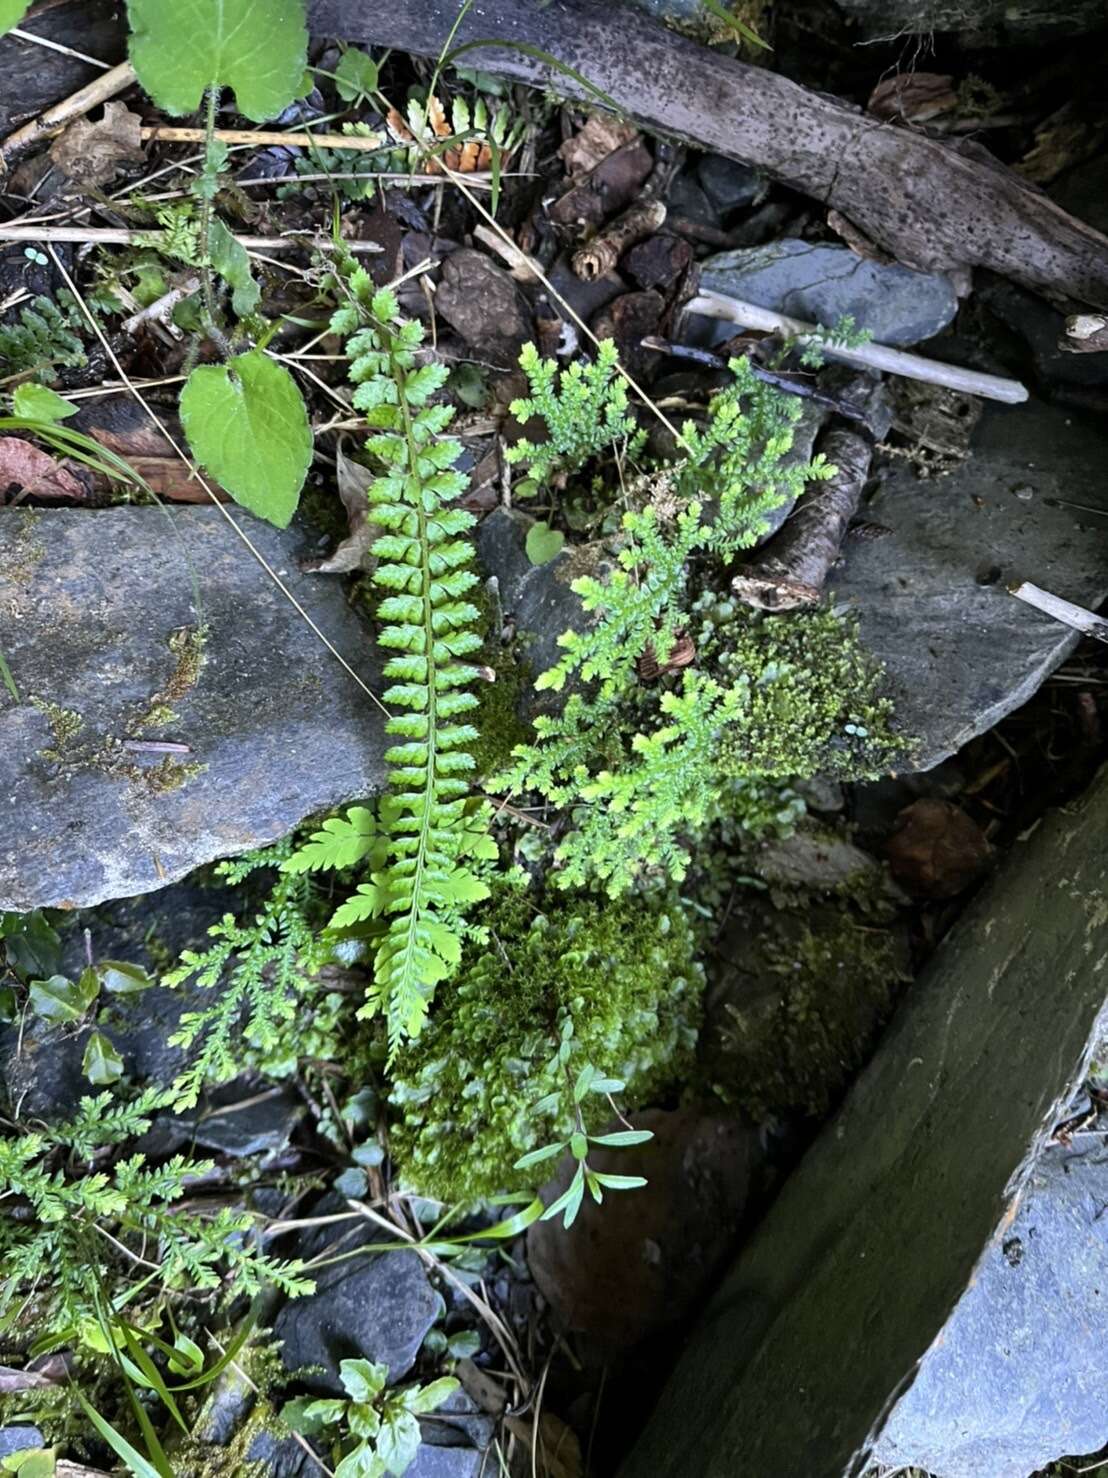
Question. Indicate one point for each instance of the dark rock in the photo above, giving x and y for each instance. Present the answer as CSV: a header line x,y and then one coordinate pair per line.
x,y
823,284
446,1462
33,77
728,184
688,201
1027,318
936,850
1018,1376
19,1439
1083,191
283,1457
90,601
485,306
376,1306
629,320
855,1284
658,261
538,597
959,654
642,1260
263,1127
459,1422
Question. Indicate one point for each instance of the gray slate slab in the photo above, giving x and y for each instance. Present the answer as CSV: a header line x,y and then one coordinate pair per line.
x,y
960,654
88,603
822,284
939,1156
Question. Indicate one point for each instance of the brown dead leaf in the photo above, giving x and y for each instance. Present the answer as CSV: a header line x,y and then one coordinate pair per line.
x,y
558,1452
26,468
122,425
913,97
601,136
478,1384
353,552
91,153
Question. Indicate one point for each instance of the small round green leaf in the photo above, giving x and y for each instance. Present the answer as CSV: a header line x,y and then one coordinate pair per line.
x,y
355,75
543,543
258,47
102,1063
247,425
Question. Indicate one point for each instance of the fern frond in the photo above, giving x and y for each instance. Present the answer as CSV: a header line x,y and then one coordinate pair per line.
x,y
419,884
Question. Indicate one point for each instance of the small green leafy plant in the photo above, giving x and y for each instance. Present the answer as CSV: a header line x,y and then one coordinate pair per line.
x,y
376,1431
43,340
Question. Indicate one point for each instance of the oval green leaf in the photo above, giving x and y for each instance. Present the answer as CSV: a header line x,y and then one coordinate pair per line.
x,y
247,425
122,978
40,403
543,543
257,47
102,1063
62,1000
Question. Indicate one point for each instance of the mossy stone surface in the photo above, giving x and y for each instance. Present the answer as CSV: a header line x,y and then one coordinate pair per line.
x,y
134,624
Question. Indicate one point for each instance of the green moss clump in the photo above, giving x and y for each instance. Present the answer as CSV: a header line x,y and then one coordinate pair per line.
x,y
813,700
186,646
793,1045
65,725
483,1084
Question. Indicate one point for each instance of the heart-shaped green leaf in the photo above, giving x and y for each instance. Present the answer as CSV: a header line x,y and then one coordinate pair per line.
x,y
258,47
102,1063
247,424
12,12
543,543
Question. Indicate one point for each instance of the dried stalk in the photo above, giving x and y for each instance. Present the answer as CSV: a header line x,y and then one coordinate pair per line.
x,y
605,249
112,236
99,90
1076,617
864,356
265,137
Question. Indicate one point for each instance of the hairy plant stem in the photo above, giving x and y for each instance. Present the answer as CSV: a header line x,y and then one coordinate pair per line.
x,y
206,205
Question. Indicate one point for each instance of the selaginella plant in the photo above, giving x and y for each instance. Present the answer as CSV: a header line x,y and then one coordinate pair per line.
x,y
428,843
77,1218
643,755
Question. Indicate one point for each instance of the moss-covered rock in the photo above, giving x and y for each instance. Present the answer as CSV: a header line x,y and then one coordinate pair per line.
x,y
490,1078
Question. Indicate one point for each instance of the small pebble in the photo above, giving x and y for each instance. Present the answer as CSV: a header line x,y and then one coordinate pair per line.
x,y
1024,492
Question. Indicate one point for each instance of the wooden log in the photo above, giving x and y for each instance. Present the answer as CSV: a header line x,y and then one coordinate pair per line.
x,y
932,203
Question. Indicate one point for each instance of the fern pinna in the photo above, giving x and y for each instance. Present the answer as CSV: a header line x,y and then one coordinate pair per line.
x,y
418,887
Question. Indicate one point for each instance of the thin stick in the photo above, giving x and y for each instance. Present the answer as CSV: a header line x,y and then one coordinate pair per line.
x,y
240,533
865,356
110,236
1062,610
363,144
57,46
99,90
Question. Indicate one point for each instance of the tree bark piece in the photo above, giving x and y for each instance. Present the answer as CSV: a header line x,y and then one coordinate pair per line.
x,y
934,206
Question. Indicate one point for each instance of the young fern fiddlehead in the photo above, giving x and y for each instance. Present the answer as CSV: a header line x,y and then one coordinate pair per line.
x,y
420,887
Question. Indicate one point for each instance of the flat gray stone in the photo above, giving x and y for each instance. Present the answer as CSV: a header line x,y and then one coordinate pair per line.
x,y
1018,1376
19,1439
960,655
878,1260
446,1462
823,284
88,603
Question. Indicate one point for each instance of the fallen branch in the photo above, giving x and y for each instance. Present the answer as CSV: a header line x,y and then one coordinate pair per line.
x,y
791,569
1065,611
933,204
266,137
113,236
605,249
863,356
